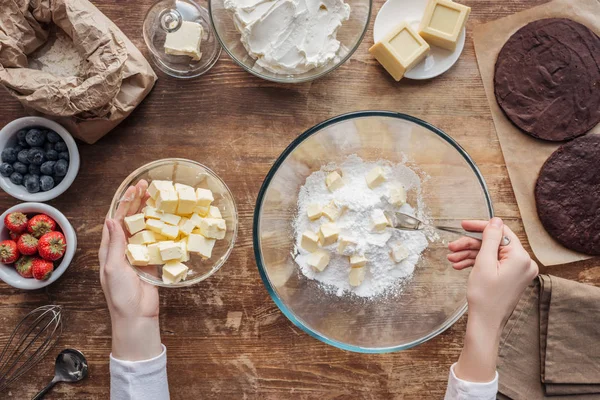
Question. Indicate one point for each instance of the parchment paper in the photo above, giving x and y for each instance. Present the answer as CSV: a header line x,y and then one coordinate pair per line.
x,y
523,154
117,79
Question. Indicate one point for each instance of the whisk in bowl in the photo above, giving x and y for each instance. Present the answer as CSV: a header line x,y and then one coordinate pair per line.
x,y
31,340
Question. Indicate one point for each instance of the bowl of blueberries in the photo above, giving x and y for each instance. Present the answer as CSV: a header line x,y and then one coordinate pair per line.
x,y
39,159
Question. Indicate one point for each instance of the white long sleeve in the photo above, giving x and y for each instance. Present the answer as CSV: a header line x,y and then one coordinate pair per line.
x,y
139,380
463,390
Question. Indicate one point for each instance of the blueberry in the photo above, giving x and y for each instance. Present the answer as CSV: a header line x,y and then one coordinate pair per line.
x,y
22,156
18,148
20,168
26,176
46,183
9,155
52,155
16,178
60,147
48,146
63,155
57,179
48,167
6,169
35,137
36,156
53,137
32,183
61,167
34,169
21,138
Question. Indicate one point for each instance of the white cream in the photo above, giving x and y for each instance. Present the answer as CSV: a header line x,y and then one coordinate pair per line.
x,y
290,36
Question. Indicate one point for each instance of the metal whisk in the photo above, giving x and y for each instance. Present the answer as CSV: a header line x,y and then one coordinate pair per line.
x,y
31,340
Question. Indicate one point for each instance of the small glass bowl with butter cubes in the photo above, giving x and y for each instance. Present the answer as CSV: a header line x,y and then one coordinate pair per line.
x,y
186,227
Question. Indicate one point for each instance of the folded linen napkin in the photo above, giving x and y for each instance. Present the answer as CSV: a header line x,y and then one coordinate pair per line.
x,y
550,346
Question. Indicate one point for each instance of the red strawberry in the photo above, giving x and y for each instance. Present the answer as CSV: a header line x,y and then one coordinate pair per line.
x,y
9,253
52,246
14,235
27,244
24,266
40,225
41,269
16,222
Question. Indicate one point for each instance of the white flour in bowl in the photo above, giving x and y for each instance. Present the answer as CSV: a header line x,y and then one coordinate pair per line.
x,y
359,201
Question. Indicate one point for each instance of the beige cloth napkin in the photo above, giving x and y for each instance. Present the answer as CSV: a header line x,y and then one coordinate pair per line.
x,y
550,346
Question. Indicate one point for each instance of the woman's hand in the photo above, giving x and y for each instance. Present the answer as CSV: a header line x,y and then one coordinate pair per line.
x,y
497,281
133,303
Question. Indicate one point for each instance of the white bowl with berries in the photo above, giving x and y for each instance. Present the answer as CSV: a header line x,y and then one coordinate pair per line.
x,y
39,159
37,244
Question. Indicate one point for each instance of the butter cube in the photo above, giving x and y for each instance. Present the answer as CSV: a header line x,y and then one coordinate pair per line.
x,y
174,272
152,213
397,196
170,231
213,228
380,221
150,202
156,186
155,225
357,276
185,255
334,181
170,219
135,223
214,212
332,211
347,245
310,241
170,250
443,22
154,255
314,211
196,219
204,197
358,261
400,50
167,201
198,244
159,237
137,254
185,41
143,237
399,252
375,177
328,234
186,226
202,211
187,199
318,260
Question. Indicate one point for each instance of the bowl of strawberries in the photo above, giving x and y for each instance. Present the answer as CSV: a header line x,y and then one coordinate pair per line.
x,y
37,244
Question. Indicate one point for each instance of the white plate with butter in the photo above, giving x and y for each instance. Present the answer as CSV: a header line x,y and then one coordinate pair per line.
x,y
439,60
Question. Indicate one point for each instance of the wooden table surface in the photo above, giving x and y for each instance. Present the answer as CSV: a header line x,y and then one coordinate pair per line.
x,y
226,338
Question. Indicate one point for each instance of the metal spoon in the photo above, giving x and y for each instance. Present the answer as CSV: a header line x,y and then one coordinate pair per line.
x,y
407,222
71,366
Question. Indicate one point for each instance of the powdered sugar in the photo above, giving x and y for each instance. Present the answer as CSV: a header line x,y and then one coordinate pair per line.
x,y
359,202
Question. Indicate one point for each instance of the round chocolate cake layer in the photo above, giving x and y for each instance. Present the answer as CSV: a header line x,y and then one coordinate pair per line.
x,y
547,79
567,194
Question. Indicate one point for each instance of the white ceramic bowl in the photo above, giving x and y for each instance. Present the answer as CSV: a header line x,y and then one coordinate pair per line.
x,y
8,137
8,273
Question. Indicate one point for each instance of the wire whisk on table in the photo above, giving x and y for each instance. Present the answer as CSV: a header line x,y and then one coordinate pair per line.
x,y
29,343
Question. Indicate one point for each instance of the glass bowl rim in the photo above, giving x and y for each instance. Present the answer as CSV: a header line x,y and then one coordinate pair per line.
x,y
291,80
256,226
215,268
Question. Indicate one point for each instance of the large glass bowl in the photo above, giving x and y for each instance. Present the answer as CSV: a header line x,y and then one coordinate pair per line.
x,y
194,174
435,297
350,34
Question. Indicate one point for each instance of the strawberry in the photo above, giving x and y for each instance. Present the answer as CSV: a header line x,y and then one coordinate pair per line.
x,y
27,244
9,253
52,246
14,235
16,222
40,224
41,269
24,266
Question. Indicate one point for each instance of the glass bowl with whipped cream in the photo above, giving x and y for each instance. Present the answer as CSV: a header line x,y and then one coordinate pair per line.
x,y
290,41
331,260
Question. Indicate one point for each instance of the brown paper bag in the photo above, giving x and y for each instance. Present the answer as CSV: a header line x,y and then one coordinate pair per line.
x,y
523,154
116,76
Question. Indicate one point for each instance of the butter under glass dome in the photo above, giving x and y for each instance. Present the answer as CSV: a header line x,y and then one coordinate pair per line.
x,y
434,298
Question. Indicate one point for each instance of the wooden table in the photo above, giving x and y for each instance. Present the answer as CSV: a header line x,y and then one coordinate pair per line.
x,y
226,338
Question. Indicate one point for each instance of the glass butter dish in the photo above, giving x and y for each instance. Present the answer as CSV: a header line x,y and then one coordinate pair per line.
x,y
180,38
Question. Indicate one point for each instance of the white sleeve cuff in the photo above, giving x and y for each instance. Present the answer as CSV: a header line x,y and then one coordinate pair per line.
x,y
463,390
139,380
